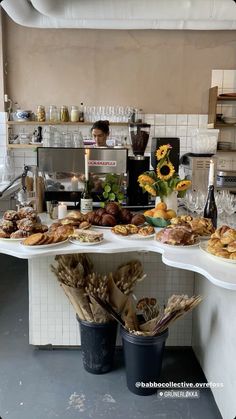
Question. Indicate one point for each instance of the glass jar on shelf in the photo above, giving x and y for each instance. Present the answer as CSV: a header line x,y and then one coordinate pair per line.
x,y
53,113
74,114
40,113
64,114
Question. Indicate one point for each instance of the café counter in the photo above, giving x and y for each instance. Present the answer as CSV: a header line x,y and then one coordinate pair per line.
x,y
170,270
191,258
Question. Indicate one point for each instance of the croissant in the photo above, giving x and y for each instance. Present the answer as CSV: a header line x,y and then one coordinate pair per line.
x,y
222,253
220,231
214,244
228,236
232,247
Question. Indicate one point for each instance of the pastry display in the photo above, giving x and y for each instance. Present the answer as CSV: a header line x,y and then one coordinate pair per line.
x,y
38,239
177,235
200,225
223,243
66,226
112,215
20,224
130,229
87,236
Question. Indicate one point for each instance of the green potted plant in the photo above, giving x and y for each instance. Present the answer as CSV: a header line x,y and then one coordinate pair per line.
x,y
112,189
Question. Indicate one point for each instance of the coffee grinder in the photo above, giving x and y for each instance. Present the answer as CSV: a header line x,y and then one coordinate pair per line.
x,y
137,164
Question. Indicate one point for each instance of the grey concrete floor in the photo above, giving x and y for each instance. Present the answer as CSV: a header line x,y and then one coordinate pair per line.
x,y
45,384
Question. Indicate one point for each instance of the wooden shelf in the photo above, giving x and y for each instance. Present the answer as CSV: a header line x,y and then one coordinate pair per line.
x,y
224,125
215,99
27,146
226,99
61,123
226,151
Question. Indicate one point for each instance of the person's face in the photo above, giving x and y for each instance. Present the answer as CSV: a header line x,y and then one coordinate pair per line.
x,y
100,137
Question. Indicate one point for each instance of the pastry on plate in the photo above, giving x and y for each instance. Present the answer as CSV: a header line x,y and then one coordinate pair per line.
x,y
87,236
146,231
11,215
19,234
177,235
7,226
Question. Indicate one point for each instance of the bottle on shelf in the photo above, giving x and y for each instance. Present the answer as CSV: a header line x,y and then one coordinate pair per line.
x,y
81,112
86,201
210,210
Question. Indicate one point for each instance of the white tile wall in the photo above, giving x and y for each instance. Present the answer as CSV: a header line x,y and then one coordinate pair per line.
x,y
52,318
169,125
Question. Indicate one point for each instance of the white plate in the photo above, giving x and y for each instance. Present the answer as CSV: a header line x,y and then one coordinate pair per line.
x,y
205,237
42,246
203,247
79,243
177,246
133,236
11,239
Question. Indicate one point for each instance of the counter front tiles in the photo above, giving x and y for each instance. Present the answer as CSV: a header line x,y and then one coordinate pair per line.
x,y
220,273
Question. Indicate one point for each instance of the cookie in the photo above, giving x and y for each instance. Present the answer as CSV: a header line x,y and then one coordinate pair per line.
x,y
33,239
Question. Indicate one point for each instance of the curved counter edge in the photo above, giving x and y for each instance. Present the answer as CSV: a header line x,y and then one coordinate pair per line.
x,y
220,273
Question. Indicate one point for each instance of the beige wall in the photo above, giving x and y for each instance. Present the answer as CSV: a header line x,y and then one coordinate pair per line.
x,y
159,71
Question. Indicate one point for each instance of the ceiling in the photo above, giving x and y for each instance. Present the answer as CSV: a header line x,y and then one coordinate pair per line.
x,y
124,14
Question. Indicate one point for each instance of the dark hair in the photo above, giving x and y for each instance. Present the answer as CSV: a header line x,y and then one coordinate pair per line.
x,y
102,125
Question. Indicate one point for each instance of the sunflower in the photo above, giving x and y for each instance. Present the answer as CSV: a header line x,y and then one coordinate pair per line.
x,y
150,190
183,185
142,179
162,151
166,171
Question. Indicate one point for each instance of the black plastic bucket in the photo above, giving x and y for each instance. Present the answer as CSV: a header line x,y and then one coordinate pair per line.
x,y
98,342
143,361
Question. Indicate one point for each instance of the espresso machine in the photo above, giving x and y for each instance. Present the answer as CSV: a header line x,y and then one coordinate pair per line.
x,y
63,170
137,164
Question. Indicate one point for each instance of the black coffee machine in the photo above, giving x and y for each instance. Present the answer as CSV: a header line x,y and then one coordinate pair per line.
x,y
137,164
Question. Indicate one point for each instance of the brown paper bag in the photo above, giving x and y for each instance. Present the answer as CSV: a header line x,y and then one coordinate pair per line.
x,y
99,314
79,302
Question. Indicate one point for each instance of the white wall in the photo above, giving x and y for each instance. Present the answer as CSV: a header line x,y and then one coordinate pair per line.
x,y
214,341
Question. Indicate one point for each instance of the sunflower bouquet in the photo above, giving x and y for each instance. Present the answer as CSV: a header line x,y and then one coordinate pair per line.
x,y
165,180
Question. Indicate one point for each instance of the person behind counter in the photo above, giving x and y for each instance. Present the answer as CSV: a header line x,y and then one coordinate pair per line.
x,y
100,133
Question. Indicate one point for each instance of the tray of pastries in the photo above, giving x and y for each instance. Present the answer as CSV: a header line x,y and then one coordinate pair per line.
x,y
42,240
199,225
112,215
222,244
177,235
17,225
131,231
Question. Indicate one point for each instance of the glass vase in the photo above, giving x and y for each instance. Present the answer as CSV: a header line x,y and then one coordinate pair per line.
x,y
170,200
